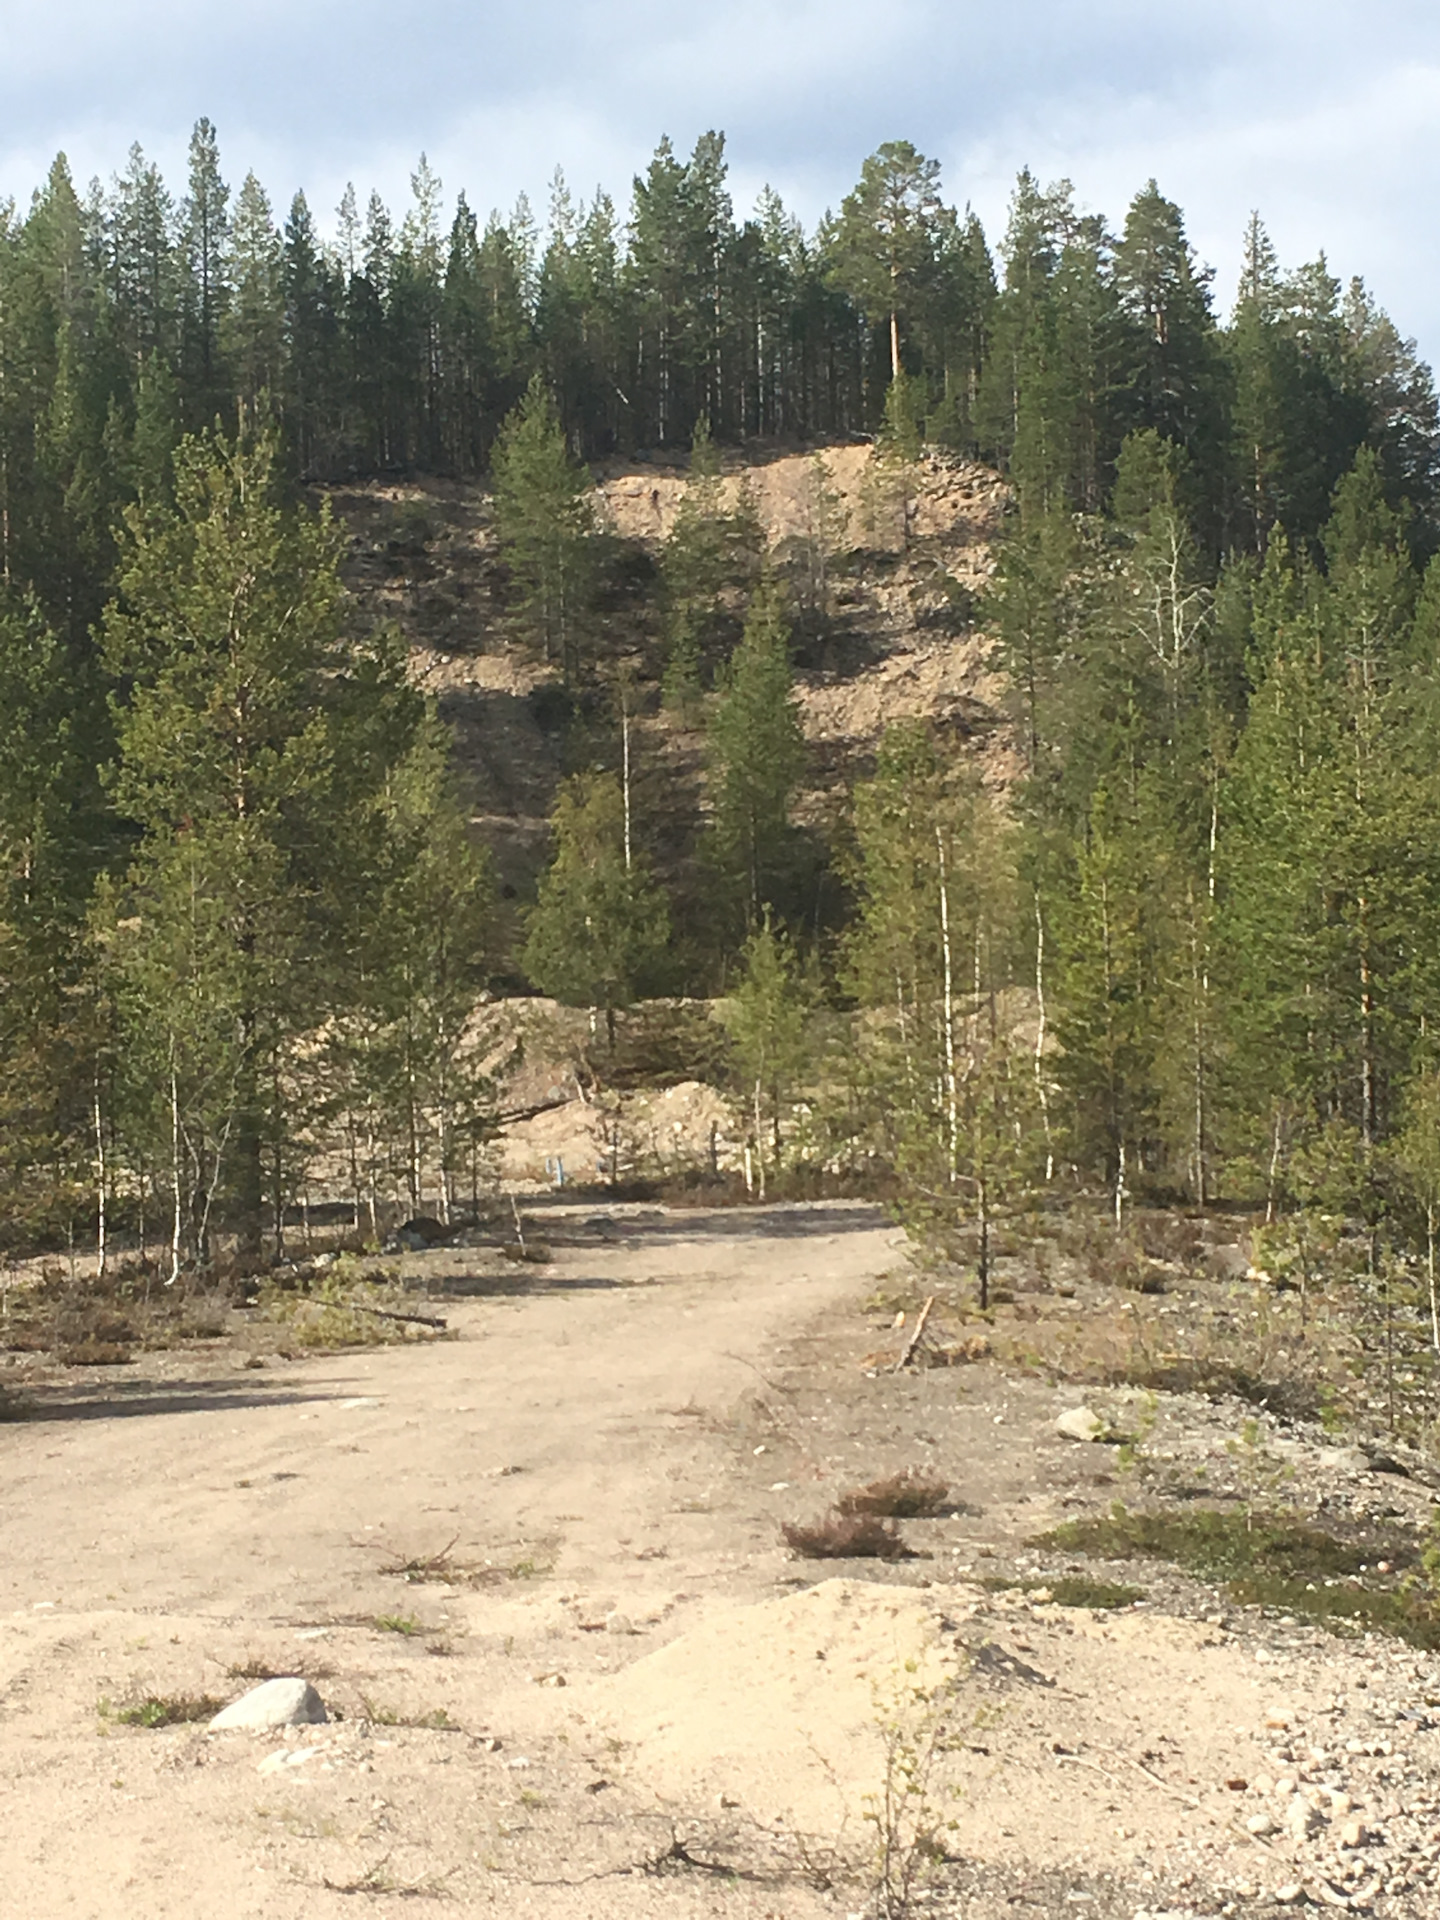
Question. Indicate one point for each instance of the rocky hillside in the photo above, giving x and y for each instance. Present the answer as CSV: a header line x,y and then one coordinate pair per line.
x,y
899,638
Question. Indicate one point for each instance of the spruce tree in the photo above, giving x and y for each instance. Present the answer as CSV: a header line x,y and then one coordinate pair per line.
x,y
757,752
598,932
546,526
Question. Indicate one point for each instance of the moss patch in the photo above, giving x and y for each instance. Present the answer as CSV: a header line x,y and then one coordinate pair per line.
x,y
1271,1560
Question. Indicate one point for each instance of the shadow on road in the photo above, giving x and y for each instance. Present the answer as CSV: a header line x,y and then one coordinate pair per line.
x,y
128,1399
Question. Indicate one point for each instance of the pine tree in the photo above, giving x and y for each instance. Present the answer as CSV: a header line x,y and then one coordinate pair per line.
x,y
951,1106
769,1017
757,753
597,934
253,330
886,238
709,562
205,288
547,532
251,743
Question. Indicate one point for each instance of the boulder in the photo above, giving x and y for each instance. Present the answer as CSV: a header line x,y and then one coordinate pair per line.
x,y
422,1231
276,1703
1343,1459
1080,1423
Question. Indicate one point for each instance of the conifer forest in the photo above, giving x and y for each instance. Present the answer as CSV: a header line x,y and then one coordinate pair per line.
x,y
1175,935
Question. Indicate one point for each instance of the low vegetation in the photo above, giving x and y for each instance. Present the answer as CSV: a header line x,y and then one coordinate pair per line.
x,y
1277,1560
909,1495
846,1536
161,1710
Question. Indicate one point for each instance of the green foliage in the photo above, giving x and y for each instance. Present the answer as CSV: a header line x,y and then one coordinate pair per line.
x,y
597,934
757,753
951,1102
1207,933
1271,1560
708,566
919,1726
161,1710
769,1017
546,525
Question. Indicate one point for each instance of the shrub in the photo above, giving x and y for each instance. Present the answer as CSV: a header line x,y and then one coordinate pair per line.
x,y
846,1536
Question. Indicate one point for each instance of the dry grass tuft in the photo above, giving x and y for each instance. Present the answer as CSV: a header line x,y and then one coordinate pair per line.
x,y
846,1536
909,1495
95,1353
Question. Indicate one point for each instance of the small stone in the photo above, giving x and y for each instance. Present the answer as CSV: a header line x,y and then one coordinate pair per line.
x,y
619,1623
1301,1819
1354,1833
288,1757
1260,1824
1287,1895
1343,1459
1080,1423
276,1703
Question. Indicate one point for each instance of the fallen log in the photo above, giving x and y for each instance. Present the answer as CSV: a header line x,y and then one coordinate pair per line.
x,y
415,1319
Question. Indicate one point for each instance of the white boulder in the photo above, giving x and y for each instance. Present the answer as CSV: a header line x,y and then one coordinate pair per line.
x,y
276,1703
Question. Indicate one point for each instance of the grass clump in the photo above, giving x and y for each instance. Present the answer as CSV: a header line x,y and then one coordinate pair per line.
x,y
1222,1544
162,1710
1071,1590
1079,1590
402,1623
846,1536
104,1320
437,1720
909,1495
1272,1560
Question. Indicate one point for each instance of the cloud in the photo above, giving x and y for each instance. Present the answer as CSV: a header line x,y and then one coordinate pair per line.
x,y
1319,113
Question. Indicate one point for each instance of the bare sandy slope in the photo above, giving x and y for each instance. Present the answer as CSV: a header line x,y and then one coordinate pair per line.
x,y
632,1685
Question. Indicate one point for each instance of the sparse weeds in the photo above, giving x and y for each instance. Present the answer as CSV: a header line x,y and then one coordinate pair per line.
x,y
437,1567
89,1320
909,1813
253,1668
909,1495
405,1624
435,1720
379,1881
160,1710
1225,1342
846,1536
443,1569
1070,1590
1079,1590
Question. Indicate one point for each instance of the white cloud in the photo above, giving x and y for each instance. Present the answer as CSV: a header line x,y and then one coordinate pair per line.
x,y
1319,113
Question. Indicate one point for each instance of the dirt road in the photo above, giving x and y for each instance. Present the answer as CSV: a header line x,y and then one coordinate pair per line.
x,y
156,1535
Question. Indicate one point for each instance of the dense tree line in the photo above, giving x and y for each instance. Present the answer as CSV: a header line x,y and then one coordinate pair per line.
x,y
243,925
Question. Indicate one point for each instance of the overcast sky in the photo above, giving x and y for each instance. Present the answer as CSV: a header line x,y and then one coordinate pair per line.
x,y
1321,113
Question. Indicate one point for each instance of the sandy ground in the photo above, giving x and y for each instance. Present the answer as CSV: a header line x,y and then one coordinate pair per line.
x,y
627,1698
